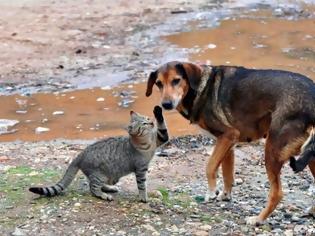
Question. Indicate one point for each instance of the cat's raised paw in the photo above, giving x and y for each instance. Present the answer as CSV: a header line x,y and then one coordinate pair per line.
x,y
158,113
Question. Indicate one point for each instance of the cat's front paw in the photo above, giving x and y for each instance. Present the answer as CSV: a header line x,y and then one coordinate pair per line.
x,y
143,196
158,113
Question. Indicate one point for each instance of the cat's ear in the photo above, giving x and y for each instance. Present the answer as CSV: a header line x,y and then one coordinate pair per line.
x,y
133,114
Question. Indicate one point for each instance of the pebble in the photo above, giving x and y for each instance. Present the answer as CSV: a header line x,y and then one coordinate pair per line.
x,y
211,46
106,88
39,130
239,181
77,204
56,113
174,229
288,232
100,99
201,233
21,112
156,194
4,158
5,124
18,232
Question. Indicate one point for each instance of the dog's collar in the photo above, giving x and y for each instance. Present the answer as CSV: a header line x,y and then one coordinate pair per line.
x,y
205,75
206,72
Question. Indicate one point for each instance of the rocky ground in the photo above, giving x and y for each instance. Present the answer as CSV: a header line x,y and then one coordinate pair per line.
x,y
176,185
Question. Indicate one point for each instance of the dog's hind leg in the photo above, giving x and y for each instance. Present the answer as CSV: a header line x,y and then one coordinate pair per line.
x,y
281,143
311,210
273,167
311,166
228,175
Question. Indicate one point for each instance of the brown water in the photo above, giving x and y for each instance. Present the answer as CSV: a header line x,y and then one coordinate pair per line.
x,y
84,117
268,43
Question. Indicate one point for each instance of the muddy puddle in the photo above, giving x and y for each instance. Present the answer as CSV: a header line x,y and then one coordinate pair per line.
x,y
259,40
258,43
82,114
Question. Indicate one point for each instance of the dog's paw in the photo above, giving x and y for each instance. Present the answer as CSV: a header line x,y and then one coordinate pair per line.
x,y
210,195
253,220
224,196
310,211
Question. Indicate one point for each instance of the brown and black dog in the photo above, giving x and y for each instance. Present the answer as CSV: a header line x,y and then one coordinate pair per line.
x,y
236,104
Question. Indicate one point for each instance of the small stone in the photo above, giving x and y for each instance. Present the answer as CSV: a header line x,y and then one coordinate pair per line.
x,y
39,130
288,232
106,88
239,181
156,194
56,113
33,173
206,227
174,229
4,158
299,229
211,46
6,124
21,112
201,233
120,232
100,99
77,204
18,232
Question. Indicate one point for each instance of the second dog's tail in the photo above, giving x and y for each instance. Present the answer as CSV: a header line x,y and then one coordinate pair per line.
x,y
307,153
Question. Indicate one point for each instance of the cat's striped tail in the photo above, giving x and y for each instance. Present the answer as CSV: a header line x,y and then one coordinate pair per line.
x,y
62,184
307,153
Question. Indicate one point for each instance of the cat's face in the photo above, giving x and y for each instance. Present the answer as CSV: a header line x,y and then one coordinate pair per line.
x,y
140,125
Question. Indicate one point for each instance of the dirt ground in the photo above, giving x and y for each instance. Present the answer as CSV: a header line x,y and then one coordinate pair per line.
x,y
88,59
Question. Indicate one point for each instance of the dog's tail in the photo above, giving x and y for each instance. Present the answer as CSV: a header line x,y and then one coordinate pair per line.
x,y
307,153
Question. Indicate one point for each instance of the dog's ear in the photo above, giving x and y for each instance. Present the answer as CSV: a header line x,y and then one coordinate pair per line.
x,y
151,82
191,72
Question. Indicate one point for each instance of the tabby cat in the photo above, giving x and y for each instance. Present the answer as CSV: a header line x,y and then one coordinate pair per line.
x,y
105,161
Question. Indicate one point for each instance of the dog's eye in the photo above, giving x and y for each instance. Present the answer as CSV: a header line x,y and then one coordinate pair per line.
x,y
175,82
159,84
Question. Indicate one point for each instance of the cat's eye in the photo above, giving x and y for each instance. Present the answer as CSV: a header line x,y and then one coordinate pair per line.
x,y
175,82
159,84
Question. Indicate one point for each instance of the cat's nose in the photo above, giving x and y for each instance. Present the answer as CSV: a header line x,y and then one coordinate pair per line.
x,y
167,105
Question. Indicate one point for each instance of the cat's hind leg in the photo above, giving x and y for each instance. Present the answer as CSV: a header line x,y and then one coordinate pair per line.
x,y
96,185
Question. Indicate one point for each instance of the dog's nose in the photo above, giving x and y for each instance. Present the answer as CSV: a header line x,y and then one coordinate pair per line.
x,y
167,105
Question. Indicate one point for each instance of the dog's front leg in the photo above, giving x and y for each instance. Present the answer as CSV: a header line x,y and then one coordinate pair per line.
x,y
228,176
222,148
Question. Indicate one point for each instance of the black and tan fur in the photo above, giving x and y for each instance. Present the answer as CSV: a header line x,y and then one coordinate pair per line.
x,y
106,161
236,104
